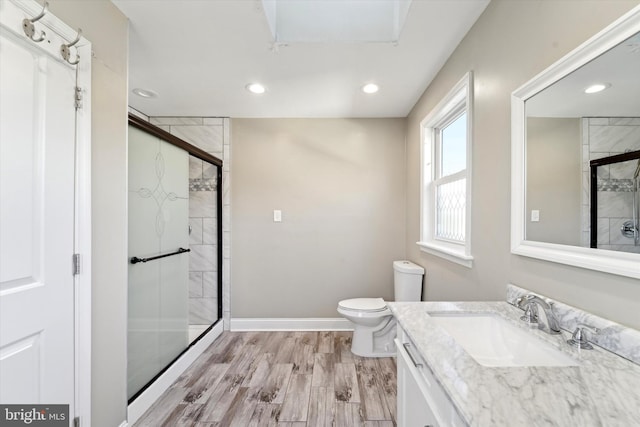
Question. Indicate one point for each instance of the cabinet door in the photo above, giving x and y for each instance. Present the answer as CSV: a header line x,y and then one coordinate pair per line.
x,y
413,409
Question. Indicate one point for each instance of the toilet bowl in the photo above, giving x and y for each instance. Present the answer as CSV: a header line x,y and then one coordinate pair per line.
x,y
370,316
374,327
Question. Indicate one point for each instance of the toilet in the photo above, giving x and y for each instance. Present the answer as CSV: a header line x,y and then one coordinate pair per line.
x,y
374,325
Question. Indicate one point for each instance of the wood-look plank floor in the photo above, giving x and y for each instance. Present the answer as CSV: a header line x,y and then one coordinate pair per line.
x,y
280,379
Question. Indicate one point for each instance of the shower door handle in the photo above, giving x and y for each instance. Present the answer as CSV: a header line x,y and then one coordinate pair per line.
x,y
136,260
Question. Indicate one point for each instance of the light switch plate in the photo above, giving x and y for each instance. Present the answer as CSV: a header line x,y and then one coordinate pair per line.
x,y
535,215
277,215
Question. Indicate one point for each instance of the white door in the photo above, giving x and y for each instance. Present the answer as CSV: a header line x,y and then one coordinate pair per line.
x,y
37,167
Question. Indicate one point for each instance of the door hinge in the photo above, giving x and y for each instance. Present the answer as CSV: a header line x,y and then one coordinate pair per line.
x,y
76,422
76,264
78,98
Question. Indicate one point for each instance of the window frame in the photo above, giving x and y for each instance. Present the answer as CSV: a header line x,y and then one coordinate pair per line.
x,y
457,101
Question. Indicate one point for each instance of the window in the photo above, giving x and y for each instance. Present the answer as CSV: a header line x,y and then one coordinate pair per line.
x,y
446,176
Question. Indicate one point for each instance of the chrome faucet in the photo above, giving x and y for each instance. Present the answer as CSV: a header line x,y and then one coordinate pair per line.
x,y
529,303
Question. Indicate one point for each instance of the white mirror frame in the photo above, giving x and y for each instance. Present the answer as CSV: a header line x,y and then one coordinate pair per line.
x,y
620,263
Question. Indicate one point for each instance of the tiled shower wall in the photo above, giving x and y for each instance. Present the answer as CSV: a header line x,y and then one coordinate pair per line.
x,y
211,134
603,137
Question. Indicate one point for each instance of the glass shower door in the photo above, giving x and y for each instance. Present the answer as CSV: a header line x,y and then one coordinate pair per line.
x,y
159,239
615,202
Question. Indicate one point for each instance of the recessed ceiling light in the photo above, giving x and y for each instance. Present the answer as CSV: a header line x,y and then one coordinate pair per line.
x,y
599,87
370,88
145,93
256,88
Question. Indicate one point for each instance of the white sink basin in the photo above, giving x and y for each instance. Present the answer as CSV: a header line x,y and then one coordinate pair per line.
x,y
492,341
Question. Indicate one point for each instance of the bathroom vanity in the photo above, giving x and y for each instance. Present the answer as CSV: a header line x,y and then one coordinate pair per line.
x,y
421,399
451,377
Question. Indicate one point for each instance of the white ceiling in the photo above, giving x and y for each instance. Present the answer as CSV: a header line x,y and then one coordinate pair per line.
x,y
618,67
199,55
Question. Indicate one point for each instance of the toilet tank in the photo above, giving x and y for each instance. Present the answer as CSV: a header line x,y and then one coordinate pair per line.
x,y
407,281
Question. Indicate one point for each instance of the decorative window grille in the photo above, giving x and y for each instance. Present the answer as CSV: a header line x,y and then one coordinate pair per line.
x,y
450,180
451,202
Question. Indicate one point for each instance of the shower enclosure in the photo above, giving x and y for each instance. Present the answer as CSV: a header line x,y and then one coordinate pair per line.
x,y
175,214
615,202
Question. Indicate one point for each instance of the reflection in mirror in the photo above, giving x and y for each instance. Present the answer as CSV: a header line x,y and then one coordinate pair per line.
x,y
615,205
571,127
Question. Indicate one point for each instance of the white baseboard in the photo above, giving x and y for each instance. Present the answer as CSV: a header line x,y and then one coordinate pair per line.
x,y
159,386
123,424
291,324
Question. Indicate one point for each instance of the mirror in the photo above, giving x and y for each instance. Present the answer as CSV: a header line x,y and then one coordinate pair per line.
x,y
576,156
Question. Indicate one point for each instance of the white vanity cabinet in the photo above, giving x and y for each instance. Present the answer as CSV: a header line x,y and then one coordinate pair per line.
x,y
421,400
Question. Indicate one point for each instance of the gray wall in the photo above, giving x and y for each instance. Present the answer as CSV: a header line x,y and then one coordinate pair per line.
x,y
554,175
510,43
104,25
340,186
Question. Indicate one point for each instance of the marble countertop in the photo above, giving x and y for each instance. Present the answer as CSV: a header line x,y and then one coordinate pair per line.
x,y
604,390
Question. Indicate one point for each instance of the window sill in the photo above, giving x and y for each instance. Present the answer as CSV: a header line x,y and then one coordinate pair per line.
x,y
447,252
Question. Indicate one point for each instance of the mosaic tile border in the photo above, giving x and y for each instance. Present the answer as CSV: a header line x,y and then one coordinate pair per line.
x,y
616,185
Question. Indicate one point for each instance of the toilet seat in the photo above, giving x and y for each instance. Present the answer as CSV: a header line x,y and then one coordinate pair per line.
x,y
363,305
